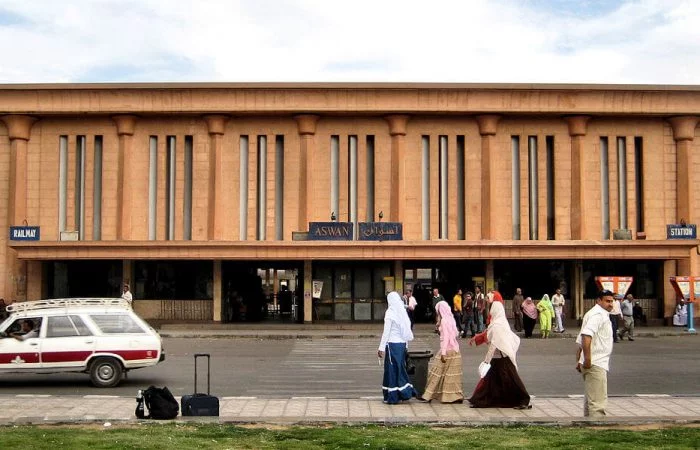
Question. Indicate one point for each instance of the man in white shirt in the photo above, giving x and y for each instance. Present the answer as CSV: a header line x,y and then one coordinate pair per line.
x,y
28,331
558,303
616,316
410,304
595,344
126,295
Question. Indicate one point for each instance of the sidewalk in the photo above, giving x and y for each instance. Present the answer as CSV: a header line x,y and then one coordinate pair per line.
x,y
46,409
272,330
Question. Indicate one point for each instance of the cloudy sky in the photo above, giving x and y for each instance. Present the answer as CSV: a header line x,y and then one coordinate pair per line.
x,y
538,41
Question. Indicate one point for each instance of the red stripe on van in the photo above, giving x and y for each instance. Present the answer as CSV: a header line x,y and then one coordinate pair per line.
x,y
8,358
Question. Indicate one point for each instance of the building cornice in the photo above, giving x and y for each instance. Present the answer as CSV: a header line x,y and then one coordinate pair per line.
x,y
380,99
356,250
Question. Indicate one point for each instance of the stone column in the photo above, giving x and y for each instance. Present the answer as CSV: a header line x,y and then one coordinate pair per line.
x,y
398,276
217,297
216,124
489,276
125,130
488,125
577,131
577,290
670,296
397,197
18,129
308,292
306,126
683,134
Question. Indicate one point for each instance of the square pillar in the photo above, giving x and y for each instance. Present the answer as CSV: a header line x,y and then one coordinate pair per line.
x,y
218,303
308,289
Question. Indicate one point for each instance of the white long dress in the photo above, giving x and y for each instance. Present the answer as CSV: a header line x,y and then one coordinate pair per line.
x,y
680,318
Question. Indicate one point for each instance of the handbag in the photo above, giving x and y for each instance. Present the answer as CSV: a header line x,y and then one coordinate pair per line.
x,y
484,368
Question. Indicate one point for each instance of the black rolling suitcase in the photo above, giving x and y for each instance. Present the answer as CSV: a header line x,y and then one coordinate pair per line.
x,y
200,404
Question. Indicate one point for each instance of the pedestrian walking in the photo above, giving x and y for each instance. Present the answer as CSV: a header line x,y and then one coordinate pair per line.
x,y
595,344
616,317
529,316
517,310
546,310
392,347
558,302
627,309
445,369
480,307
469,326
501,386
410,303
457,310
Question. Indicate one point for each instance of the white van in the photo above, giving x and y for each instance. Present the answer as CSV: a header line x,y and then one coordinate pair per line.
x,y
99,336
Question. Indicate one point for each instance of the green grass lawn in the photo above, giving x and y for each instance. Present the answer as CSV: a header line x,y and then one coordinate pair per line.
x,y
214,436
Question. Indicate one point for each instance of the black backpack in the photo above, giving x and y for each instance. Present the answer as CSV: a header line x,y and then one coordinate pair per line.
x,y
160,403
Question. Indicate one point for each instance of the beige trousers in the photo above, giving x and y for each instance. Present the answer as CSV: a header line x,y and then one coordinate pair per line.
x,y
595,381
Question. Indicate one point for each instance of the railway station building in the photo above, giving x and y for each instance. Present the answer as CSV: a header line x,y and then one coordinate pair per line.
x,y
307,202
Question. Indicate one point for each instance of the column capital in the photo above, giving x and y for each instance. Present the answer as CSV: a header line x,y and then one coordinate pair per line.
x,y
306,123
18,126
216,123
684,127
125,124
397,124
488,124
578,125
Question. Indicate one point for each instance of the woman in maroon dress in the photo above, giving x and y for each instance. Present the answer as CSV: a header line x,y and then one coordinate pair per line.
x,y
501,387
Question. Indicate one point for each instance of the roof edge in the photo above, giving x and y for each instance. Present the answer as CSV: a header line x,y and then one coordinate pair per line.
x,y
350,85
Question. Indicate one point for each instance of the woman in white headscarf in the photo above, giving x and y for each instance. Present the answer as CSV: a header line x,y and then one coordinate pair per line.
x,y
397,333
501,387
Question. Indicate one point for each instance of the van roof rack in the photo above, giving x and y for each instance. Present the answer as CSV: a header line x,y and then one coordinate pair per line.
x,y
67,303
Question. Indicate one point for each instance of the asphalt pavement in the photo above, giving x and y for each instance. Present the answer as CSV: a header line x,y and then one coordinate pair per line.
x,y
563,410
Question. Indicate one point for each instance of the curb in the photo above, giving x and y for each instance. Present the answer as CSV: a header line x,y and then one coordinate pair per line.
x,y
360,421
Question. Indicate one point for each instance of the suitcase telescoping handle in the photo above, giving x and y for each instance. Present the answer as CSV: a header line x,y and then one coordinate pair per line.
x,y
208,356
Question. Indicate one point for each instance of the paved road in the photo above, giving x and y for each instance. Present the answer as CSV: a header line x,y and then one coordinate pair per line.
x,y
348,368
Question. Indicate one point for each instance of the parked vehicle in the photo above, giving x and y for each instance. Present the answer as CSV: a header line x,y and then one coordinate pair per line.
x,y
99,336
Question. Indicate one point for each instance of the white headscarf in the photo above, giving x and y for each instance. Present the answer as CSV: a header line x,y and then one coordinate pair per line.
x,y
397,313
499,333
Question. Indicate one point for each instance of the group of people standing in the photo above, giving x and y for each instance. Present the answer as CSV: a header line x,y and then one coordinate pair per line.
x,y
526,313
499,386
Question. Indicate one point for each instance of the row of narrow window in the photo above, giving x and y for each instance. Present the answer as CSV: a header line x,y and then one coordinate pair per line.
x,y
536,175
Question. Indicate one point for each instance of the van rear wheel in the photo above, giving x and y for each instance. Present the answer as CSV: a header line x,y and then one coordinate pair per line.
x,y
105,372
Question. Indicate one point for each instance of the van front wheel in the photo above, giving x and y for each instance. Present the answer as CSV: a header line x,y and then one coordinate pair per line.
x,y
105,372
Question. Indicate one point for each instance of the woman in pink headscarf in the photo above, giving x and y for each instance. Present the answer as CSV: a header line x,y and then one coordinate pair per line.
x,y
529,316
445,370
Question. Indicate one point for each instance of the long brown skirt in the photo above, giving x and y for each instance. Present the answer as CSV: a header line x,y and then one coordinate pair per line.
x,y
445,379
501,387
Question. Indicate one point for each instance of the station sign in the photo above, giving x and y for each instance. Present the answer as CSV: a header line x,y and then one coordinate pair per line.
x,y
330,231
25,233
380,231
618,285
681,231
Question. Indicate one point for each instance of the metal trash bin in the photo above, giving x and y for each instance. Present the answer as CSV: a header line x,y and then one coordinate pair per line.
x,y
417,366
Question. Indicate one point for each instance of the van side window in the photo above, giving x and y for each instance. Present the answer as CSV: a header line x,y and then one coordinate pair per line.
x,y
80,325
116,323
64,326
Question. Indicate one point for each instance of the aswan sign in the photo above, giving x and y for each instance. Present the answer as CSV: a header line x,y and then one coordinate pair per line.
x,y
330,231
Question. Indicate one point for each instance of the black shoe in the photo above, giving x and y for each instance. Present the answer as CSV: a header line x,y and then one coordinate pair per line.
x,y
631,339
